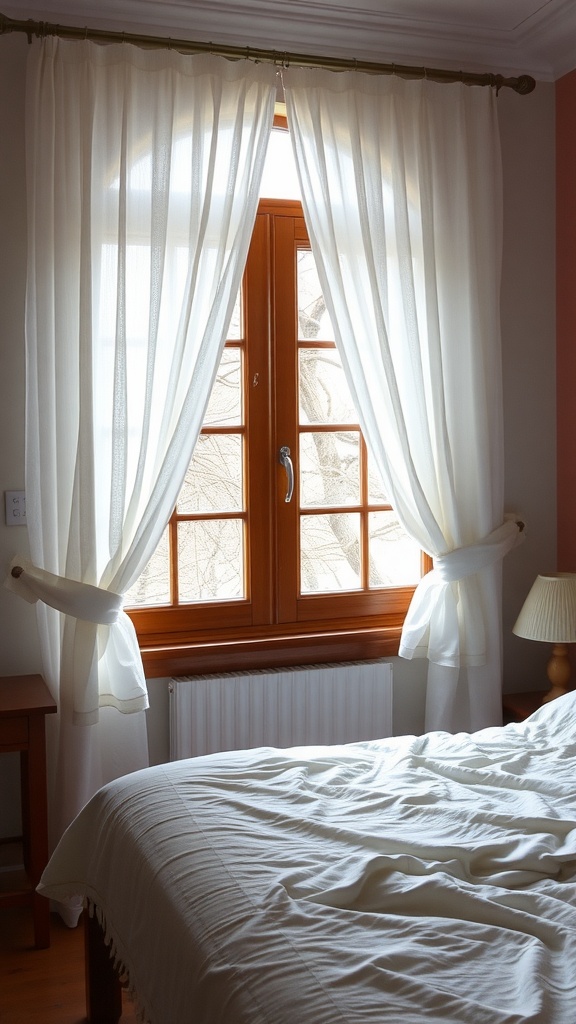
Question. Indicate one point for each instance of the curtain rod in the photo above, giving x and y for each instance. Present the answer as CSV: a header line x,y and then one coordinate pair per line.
x,y
524,84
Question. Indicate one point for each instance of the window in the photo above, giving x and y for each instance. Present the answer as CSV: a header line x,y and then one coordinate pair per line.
x,y
283,546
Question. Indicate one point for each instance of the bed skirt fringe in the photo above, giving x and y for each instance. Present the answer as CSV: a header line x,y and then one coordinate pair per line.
x,y
118,963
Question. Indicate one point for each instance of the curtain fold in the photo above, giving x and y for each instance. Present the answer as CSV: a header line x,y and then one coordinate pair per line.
x,y
143,179
401,188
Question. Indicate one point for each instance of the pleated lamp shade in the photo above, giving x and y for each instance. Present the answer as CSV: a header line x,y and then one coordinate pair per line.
x,y
549,611
549,614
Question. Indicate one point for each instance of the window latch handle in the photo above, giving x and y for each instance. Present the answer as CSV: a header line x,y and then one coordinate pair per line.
x,y
285,460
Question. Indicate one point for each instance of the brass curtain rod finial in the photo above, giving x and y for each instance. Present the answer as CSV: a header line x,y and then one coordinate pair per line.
x,y
525,84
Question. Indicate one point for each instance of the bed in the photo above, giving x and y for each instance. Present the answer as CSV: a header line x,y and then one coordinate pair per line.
x,y
411,878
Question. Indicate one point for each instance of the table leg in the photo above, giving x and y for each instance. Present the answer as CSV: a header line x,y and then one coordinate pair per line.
x,y
35,824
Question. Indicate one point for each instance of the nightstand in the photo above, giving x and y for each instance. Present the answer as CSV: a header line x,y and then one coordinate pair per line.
x,y
24,703
518,706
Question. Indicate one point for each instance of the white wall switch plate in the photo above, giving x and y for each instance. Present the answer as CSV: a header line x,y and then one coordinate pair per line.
x,y
15,508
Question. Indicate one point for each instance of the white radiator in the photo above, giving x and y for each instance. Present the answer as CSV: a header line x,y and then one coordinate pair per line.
x,y
313,704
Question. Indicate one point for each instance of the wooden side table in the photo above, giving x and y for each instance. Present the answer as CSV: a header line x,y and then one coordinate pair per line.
x,y
518,706
24,703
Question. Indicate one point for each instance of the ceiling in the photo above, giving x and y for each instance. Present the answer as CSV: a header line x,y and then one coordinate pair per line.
x,y
510,37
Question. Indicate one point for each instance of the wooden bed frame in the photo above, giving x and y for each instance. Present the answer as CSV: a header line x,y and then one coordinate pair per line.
x,y
103,988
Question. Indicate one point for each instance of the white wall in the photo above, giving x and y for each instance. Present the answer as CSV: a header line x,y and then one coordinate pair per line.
x,y
529,367
18,637
529,360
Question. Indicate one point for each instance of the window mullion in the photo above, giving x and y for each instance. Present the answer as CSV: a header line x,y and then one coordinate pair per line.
x,y
259,476
285,336
364,517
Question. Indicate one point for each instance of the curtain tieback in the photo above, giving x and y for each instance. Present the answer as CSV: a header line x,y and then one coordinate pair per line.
x,y
465,561
448,627
80,600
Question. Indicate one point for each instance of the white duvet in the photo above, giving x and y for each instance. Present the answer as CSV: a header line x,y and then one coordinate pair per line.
x,y
411,879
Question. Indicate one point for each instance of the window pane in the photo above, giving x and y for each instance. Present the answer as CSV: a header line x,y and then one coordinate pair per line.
x,y
235,327
324,393
280,179
394,557
225,404
153,585
313,319
329,468
330,552
376,492
214,478
211,560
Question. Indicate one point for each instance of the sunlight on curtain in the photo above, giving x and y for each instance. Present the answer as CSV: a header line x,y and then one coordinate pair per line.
x,y
401,187
144,173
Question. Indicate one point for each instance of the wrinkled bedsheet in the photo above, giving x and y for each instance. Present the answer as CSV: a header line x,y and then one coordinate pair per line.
x,y
407,879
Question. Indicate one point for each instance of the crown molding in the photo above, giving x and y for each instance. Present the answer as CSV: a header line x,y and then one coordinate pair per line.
x,y
549,35
542,45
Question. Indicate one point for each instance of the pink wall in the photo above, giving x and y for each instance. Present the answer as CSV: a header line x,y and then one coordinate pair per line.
x,y
566,318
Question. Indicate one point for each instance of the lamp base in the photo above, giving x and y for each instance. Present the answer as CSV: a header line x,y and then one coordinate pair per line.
x,y
559,672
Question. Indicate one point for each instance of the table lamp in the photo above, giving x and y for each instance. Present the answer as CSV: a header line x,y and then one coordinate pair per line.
x,y
549,614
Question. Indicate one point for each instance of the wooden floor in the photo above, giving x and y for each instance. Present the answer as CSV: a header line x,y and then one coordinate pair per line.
x,y
44,986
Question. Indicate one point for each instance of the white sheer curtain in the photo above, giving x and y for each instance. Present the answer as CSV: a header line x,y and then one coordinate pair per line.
x,y
401,187
144,169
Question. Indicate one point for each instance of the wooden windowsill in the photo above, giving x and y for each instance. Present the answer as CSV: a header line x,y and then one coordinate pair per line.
x,y
239,654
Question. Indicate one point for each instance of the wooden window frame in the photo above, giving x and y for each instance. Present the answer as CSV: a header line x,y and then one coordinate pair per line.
x,y
188,639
